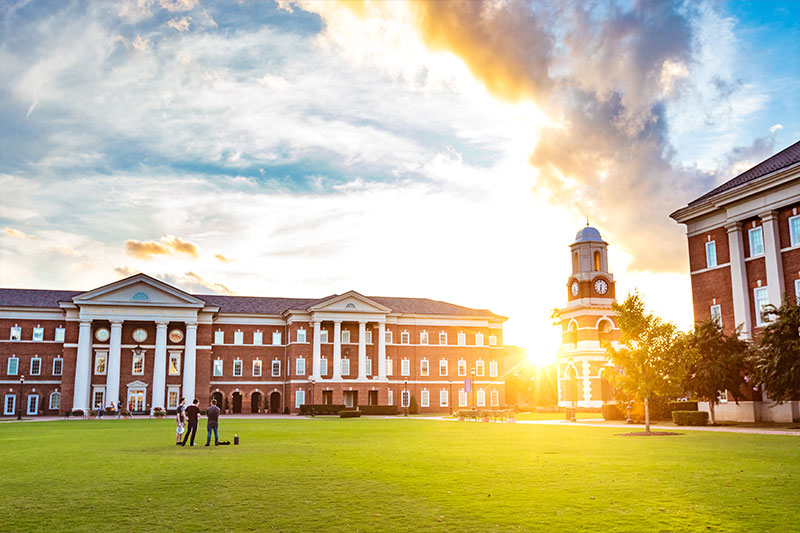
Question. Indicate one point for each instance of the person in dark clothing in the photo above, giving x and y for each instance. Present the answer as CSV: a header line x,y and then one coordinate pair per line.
x,y
212,423
192,413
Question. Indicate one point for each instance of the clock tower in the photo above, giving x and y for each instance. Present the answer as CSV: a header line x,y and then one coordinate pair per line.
x,y
587,324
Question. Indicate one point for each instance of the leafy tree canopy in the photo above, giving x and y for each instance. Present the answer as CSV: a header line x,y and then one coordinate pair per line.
x,y
777,356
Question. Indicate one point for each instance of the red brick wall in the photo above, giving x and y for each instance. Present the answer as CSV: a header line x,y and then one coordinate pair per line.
x,y
697,248
706,286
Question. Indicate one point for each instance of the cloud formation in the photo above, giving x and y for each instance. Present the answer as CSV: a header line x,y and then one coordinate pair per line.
x,y
168,245
18,234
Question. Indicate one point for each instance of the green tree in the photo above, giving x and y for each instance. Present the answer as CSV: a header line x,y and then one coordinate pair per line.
x,y
777,356
413,408
715,363
650,358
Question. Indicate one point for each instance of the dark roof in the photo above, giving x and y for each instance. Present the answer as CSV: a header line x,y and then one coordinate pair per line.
x,y
35,297
424,306
782,159
256,304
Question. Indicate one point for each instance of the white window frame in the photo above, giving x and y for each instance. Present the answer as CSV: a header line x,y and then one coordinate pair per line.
x,y
759,308
60,334
300,366
98,356
345,336
15,360
35,410
492,369
258,338
479,368
494,397
58,366
423,338
794,238
238,368
38,334
15,334
387,337
176,357
36,366
716,314
443,367
95,391
479,339
389,366
424,367
461,338
492,340
369,366
369,336
405,367
405,338
442,338
405,398
424,398
299,398
443,399
218,368
238,337
257,366
173,392
301,335
323,366
723,396
750,235
345,366
797,290
133,364
390,397
462,368
462,398
711,254
481,398
276,338
323,336
219,337
12,410
276,368
55,395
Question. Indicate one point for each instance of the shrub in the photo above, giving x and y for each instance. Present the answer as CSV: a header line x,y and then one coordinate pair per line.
x,y
690,418
613,412
158,411
413,408
77,412
683,406
125,412
319,409
349,413
385,410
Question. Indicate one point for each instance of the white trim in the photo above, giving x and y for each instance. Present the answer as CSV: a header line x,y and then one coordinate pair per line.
x,y
13,409
35,410
50,401
257,363
750,233
792,243
759,321
16,366
252,382
424,398
218,364
241,367
61,369
299,362
39,372
719,313
709,245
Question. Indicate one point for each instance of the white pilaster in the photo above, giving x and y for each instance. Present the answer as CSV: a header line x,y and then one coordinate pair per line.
x,y
772,257
381,351
189,363
83,367
160,366
114,352
741,296
362,350
337,349
317,352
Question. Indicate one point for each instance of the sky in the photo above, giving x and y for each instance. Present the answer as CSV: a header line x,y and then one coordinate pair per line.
x,y
448,150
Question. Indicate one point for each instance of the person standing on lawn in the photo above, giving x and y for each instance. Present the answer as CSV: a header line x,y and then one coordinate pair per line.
x,y
180,419
212,422
192,412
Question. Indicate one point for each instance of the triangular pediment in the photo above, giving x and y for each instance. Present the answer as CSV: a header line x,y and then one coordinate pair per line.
x,y
139,289
350,302
137,385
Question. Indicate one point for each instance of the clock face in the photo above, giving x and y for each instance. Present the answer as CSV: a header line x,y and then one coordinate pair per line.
x,y
574,288
139,335
176,335
601,286
102,334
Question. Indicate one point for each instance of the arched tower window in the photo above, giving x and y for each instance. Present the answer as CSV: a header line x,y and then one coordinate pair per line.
x,y
572,333
597,261
604,328
575,264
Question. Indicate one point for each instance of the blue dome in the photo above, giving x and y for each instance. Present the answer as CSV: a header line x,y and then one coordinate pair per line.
x,y
588,234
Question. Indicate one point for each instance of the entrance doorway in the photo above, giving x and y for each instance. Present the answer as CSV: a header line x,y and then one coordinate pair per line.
x,y
275,403
237,402
218,396
255,402
372,398
351,399
327,397
136,399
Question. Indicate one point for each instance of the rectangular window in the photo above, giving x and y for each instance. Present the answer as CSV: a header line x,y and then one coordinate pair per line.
x,y
388,337
423,367
16,333
442,338
174,364
462,368
479,339
13,366
9,406
345,367
495,396
55,401
238,337
481,398
60,333
443,367
99,399
423,337
723,396
424,399
369,366
276,338
492,369
323,336
794,230
299,398
237,368
390,397
345,336
479,367
38,334
711,254
217,368
369,337
323,366
58,366
219,337
762,300
462,398
100,363
492,340
257,368
404,398
405,338
301,335
405,367
33,404
716,314
138,364
276,368
443,398
756,242
300,366
172,399
797,290
258,337
36,366
389,367
462,339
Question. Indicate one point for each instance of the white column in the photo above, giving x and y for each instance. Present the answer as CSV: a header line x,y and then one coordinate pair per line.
x,y
337,349
83,367
160,366
189,363
772,257
382,351
741,295
114,352
362,350
317,352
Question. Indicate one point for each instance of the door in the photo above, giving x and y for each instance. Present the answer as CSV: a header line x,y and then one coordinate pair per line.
x,y
218,396
350,399
327,397
237,402
372,399
255,403
33,404
136,399
275,403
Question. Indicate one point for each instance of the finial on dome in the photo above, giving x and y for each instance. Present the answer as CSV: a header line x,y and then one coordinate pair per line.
x,y
587,220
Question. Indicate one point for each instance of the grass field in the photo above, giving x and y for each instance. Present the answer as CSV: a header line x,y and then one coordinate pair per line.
x,y
393,475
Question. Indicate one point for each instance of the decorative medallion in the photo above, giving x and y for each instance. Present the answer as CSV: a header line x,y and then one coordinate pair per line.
x,y
102,334
176,335
139,335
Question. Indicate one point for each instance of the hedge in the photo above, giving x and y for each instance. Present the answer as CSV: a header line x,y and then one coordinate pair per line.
x,y
613,412
349,413
319,409
384,410
683,406
690,418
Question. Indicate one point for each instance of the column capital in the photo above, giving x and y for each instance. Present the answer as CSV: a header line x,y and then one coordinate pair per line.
x,y
85,323
364,322
338,322
768,216
733,226
192,325
161,324
116,323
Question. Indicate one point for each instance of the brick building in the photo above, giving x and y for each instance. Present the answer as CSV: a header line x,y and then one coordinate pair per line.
x,y
144,342
744,253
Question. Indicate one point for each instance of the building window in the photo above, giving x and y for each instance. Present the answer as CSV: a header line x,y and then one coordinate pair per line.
x,y
443,338
492,369
257,368
217,368
462,398
443,367
237,368
174,364
36,366
300,366
60,333
405,338
172,398
323,366
389,366
388,337
479,367
55,401
138,364
13,366
479,339
716,314
276,368
762,300
423,337
345,336
443,398
495,398
423,367
33,404
38,334
299,398
345,366
9,406
462,339
492,340
219,337
369,367
99,398
238,337
794,230
369,336
258,337
301,335
711,254
462,368
424,399
481,398
756,242
597,261
405,367
276,338
100,363
723,396
390,397
797,290
404,398
16,333
58,366
323,336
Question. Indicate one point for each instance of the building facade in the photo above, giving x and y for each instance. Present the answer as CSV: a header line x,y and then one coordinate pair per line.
x,y
587,322
744,254
144,343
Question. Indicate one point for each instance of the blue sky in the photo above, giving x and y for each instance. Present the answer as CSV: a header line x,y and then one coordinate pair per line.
x,y
447,150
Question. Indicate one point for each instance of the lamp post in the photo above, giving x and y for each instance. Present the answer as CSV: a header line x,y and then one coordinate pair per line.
x,y
19,411
405,397
450,397
313,381
472,373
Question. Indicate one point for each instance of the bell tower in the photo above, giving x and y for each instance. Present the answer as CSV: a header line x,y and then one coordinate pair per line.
x,y
587,324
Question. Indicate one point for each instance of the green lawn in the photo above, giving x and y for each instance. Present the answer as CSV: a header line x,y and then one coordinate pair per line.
x,y
393,475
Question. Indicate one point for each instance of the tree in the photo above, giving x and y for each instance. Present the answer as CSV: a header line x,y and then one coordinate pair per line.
x,y
650,360
413,408
716,363
777,356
